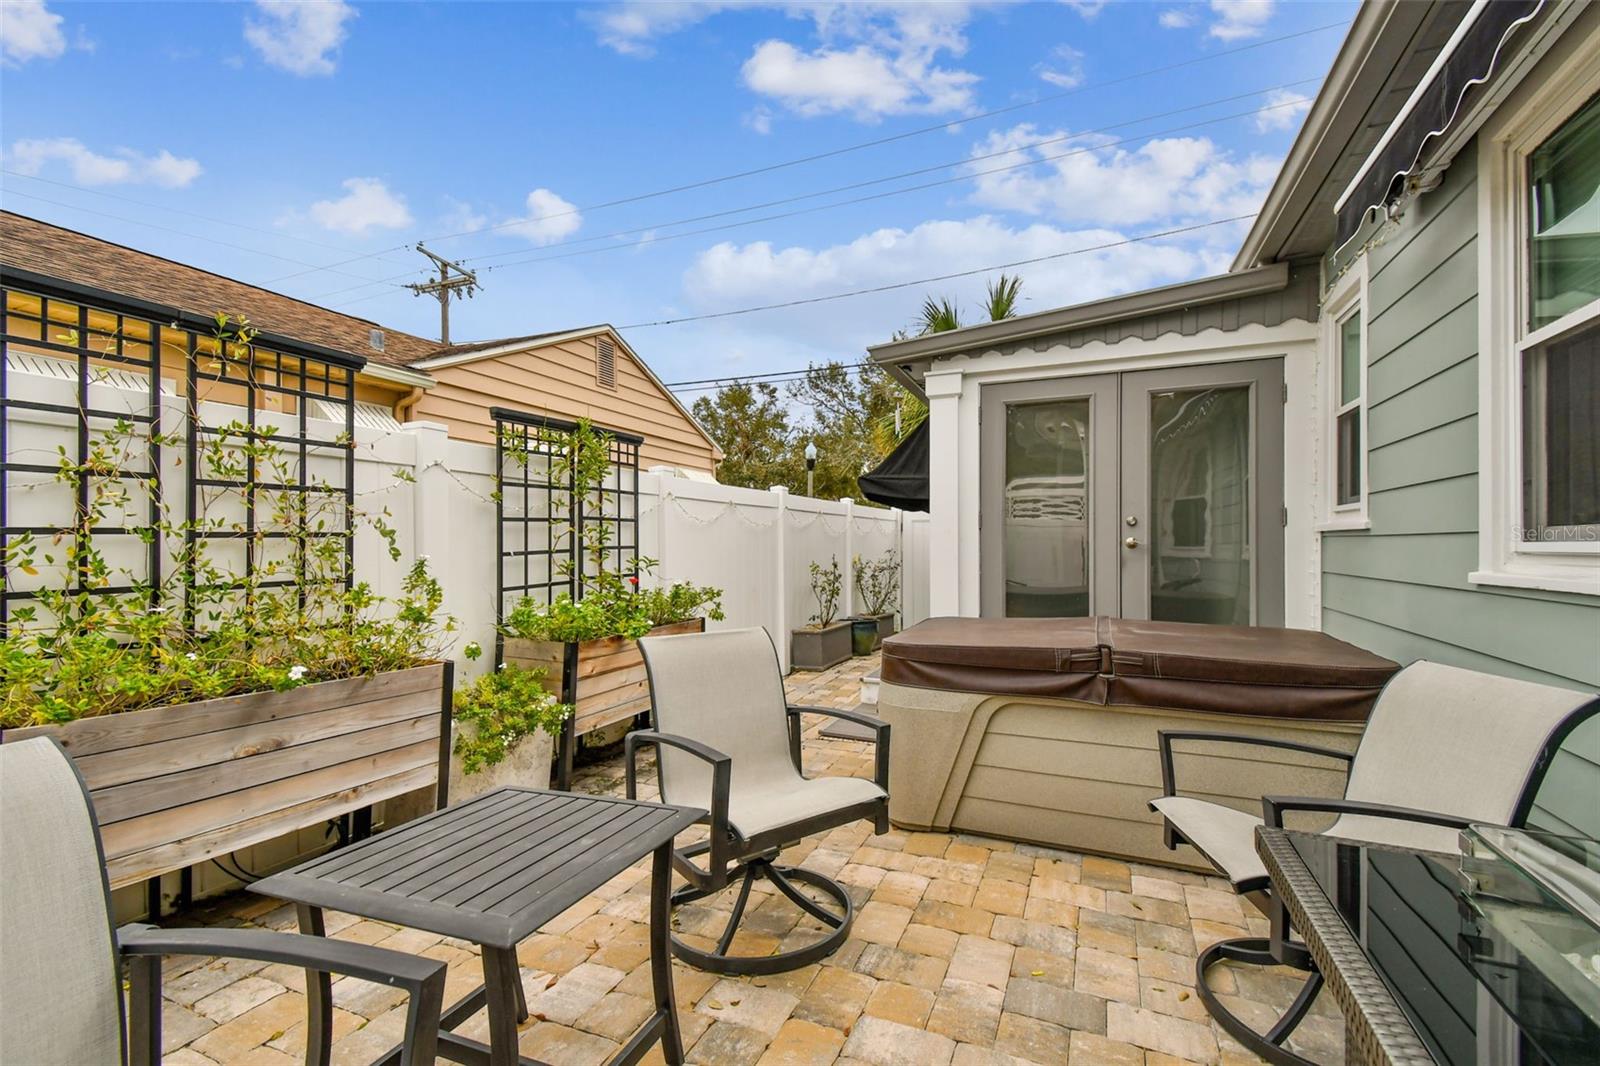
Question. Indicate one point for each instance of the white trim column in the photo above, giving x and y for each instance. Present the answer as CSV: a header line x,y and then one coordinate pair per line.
x,y
944,492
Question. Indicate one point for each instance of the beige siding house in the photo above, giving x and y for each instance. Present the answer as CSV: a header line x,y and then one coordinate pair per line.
x,y
583,373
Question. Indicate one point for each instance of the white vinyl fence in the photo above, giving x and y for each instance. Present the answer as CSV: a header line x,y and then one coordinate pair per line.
x,y
755,545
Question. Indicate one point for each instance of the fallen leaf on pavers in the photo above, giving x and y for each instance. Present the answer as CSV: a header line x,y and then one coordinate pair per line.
x,y
1182,996
1036,973
552,982
733,1003
713,1004
539,1017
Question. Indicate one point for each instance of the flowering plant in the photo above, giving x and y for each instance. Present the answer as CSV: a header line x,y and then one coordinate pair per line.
x,y
612,603
496,711
100,637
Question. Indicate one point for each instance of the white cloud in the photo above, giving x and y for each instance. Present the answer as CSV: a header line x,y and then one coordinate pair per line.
x,y
87,167
1282,110
29,30
1178,179
629,27
366,204
1176,19
759,120
862,81
1064,68
1237,19
731,275
549,219
869,59
300,36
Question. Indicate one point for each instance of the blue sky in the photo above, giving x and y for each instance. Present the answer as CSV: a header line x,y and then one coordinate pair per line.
x,y
266,140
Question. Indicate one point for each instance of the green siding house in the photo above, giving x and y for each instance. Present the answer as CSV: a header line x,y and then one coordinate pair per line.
x,y
1383,421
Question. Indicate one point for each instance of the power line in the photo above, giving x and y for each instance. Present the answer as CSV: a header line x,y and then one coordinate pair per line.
x,y
202,218
194,236
965,161
892,138
943,277
540,258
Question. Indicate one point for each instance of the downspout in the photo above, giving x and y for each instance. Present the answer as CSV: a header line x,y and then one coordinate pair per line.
x,y
403,406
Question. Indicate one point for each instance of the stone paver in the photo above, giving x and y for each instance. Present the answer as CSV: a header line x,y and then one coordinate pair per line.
x,y
965,951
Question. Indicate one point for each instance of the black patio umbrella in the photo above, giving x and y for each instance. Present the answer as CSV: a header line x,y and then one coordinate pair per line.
x,y
901,480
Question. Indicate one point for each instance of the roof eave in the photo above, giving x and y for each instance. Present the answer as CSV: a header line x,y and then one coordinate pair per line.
x,y
896,355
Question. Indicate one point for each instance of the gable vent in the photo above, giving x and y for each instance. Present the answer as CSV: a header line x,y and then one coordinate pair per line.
x,y
605,365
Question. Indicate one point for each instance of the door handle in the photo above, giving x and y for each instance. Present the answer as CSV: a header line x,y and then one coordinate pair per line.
x,y
1131,542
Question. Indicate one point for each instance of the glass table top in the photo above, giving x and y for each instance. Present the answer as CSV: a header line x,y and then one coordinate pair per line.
x,y
1488,965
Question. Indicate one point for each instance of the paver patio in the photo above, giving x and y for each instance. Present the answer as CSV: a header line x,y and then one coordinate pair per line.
x,y
966,951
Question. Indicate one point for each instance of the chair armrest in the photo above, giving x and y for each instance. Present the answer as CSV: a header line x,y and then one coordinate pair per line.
x,y
880,729
721,785
1273,807
1165,737
144,946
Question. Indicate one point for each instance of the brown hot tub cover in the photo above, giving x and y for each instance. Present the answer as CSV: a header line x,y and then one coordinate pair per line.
x,y
1250,670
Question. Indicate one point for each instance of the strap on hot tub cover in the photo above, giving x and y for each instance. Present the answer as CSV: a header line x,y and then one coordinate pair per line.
x,y
901,480
1240,670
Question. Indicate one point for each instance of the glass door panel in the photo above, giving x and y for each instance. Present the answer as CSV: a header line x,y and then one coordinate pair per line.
x,y
1200,501
1202,494
1045,509
1048,498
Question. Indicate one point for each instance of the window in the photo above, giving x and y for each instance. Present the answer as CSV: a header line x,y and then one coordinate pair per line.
x,y
1539,331
1560,355
1347,416
1344,388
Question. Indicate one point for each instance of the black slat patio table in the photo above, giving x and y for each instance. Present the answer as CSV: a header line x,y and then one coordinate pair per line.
x,y
492,871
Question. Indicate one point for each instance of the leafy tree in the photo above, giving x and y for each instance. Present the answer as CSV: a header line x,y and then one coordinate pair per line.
x,y
751,424
1005,293
846,403
938,316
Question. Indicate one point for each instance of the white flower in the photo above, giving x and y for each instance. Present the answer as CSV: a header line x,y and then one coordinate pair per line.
x,y
296,673
191,656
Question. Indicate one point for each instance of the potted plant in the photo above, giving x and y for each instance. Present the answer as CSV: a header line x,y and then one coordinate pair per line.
x,y
877,587
210,709
585,644
505,725
825,642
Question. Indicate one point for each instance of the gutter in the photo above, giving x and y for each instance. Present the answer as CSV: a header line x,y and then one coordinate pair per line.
x,y
898,357
399,375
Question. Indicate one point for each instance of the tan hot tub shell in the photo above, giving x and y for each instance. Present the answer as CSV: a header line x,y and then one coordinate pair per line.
x,y
1078,771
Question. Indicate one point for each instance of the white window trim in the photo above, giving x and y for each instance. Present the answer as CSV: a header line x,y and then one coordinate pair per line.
x,y
1345,297
1541,105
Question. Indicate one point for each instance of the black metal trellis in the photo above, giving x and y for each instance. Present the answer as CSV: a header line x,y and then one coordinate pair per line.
x,y
63,330
536,502
67,334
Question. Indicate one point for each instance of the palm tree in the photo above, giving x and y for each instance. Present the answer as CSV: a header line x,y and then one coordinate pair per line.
x,y
939,316
1004,294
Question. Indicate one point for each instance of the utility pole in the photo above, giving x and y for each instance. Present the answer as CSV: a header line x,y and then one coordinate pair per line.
x,y
464,282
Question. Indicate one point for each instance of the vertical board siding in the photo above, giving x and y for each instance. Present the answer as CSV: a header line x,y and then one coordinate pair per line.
x,y
1400,588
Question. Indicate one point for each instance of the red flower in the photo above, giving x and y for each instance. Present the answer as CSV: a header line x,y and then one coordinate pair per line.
x,y
633,580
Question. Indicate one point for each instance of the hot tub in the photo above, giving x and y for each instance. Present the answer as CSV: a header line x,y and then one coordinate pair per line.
x,y
1044,730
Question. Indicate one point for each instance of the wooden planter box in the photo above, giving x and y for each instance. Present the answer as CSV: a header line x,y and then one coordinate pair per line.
x,y
603,679
174,786
818,649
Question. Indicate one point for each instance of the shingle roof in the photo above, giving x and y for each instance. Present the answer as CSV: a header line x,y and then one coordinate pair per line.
x,y
28,244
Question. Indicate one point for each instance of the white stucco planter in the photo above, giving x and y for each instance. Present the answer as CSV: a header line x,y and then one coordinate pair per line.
x,y
527,766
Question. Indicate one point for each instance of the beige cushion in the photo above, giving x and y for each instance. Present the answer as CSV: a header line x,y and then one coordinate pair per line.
x,y
725,689
1225,835
59,987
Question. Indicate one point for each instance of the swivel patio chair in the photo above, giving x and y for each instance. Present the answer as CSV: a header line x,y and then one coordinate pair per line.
x,y
61,1001
1443,748
728,741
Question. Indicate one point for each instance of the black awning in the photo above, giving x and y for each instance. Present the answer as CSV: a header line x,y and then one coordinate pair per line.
x,y
901,480
1464,70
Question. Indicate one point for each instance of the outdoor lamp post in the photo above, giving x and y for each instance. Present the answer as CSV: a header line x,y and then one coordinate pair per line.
x,y
811,468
